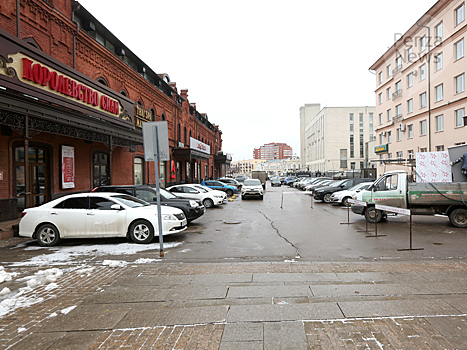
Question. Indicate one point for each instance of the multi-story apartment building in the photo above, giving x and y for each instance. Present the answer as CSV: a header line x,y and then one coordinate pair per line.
x,y
337,138
420,86
245,167
273,150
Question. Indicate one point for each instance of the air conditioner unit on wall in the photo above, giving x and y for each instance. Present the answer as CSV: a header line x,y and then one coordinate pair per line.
x,y
402,126
383,133
415,72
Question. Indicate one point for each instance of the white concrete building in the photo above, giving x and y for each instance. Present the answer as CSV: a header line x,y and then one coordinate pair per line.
x,y
337,138
280,166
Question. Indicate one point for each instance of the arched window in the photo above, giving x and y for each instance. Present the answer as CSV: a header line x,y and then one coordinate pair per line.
x,y
184,134
153,115
102,81
163,116
123,92
138,171
190,134
139,103
179,133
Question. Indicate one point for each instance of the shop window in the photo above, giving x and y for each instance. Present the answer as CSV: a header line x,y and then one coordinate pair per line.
x,y
138,171
100,163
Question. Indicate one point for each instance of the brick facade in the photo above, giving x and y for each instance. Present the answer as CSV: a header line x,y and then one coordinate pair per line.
x,y
55,29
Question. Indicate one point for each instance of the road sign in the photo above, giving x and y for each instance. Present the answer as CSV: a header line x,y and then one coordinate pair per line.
x,y
149,129
393,209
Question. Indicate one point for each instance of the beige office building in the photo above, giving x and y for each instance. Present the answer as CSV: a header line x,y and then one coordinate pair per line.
x,y
337,139
420,86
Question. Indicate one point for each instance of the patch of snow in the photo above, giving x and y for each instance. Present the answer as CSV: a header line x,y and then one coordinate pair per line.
x,y
115,263
60,254
21,329
51,286
68,309
85,271
146,261
52,315
11,304
6,276
5,291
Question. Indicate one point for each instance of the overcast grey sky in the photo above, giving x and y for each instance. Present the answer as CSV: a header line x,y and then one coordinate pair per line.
x,y
251,64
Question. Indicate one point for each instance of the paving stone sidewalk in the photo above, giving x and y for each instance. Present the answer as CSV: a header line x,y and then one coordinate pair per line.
x,y
288,305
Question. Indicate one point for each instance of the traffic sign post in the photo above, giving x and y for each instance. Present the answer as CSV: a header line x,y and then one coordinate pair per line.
x,y
354,201
156,148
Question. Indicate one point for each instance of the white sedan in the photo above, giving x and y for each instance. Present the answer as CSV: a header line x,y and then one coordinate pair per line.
x,y
96,215
206,195
342,197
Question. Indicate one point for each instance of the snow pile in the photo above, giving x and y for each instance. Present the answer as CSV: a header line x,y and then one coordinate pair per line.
x,y
44,277
5,291
85,271
146,261
6,276
68,309
115,263
60,254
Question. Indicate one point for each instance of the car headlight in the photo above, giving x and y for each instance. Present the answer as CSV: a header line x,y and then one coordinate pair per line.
x,y
217,196
193,204
169,217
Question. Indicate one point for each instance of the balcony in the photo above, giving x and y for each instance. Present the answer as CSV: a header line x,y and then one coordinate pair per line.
x,y
397,94
396,70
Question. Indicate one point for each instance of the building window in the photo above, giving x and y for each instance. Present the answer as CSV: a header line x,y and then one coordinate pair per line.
x,y
388,90
351,135
399,155
398,87
123,92
389,136
423,150
459,50
439,122
410,106
410,154
389,115
460,83
460,114
343,158
410,54
398,111
163,116
381,139
380,76
380,118
460,14
422,43
423,100
438,61
422,72
439,92
102,81
380,98
409,80
410,131
399,134
153,114
361,135
389,70
139,171
185,135
423,127
398,63
439,32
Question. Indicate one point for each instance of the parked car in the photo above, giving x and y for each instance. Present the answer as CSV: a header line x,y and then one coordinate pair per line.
x,y
217,185
252,187
342,197
290,180
241,178
312,181
192,209
208,197
276,182
231,182
97,215
301,183
318,184
324,193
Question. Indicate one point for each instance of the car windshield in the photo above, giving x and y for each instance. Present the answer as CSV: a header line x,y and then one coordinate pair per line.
x,y
130,201
166,194
337,183
252,182
203,189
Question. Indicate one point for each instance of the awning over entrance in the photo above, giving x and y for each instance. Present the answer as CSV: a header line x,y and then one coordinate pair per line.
x,y
189,154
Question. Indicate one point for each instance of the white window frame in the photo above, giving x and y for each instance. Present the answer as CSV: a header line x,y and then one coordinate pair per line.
x,y
422,43
399,134
439,120
459,83
410,53
423,100
380,118
380,76
389,114
409,80
439,31
422,72
459,14
389,72
380,98
389,137
459,50
399,110
423,128
459,115
439,93
410,106
410,131
438,61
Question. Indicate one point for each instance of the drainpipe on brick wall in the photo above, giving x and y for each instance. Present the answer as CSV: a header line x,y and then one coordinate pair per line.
x,y
429,85
18,19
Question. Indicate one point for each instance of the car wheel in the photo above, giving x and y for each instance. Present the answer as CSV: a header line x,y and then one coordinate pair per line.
x,y
327,198
141,231
345,201
458,218
261,197
243,197
229,193
372,213
208,203
47,235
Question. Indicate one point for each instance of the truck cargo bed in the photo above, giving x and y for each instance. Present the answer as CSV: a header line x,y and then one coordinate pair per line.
x,y
437,193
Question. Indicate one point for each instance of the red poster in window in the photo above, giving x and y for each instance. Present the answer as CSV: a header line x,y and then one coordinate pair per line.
x,y
68,167
173,170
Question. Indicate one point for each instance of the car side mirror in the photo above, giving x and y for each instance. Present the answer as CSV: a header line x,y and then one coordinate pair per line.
x,y
358,190
116,207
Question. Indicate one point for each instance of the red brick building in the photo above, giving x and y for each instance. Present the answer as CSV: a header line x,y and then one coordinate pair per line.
x,y
74,96
272,151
